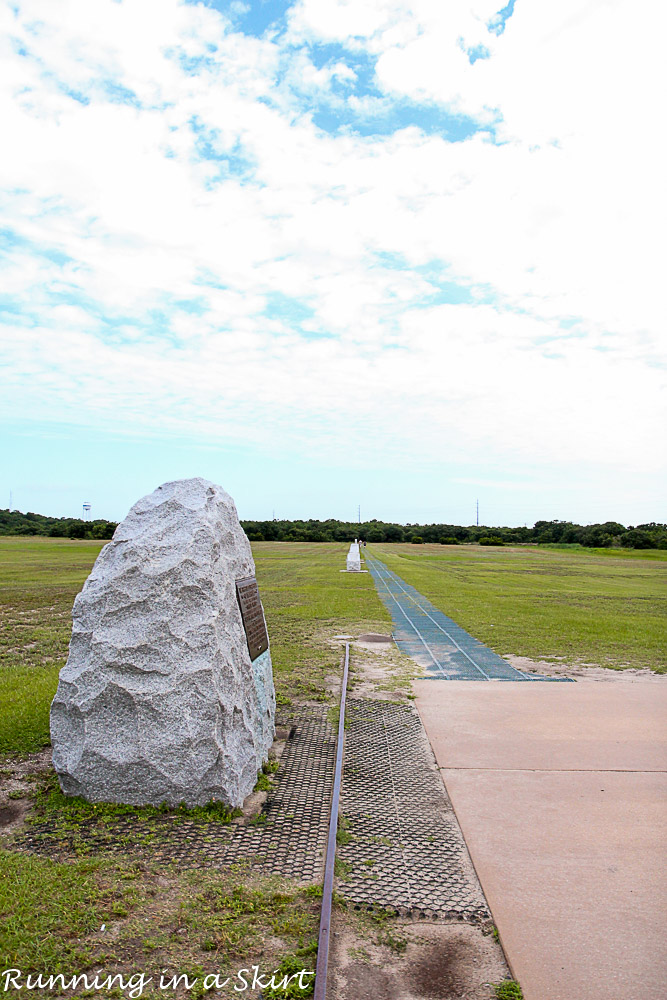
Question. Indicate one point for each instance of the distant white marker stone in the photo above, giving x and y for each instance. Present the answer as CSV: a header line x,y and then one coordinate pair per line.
x,y
354,559
159,700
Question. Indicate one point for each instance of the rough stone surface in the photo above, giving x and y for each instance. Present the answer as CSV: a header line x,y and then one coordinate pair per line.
x,y
354,559
159,700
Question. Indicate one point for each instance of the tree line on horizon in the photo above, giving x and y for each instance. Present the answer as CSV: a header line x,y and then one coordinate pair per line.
x,y
604,535
13,522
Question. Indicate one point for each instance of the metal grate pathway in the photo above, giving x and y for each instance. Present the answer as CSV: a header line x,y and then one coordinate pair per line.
x,y
405,852
288,838
436,642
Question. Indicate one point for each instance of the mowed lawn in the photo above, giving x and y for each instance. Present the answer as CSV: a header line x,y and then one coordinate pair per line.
x,y
306,598
594,606
39,579
602,607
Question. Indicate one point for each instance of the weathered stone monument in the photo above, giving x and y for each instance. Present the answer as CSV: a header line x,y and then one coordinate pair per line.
x,y
354,558
167,694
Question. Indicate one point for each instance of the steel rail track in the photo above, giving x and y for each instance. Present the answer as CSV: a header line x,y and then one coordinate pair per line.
x,y
319,992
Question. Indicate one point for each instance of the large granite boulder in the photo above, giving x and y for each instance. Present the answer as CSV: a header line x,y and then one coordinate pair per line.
x,y
159,700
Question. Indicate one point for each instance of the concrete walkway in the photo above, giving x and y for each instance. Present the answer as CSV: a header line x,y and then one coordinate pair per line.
x,y
561,793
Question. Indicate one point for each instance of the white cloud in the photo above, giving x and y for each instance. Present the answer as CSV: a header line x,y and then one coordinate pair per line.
x,y
555,223
574,223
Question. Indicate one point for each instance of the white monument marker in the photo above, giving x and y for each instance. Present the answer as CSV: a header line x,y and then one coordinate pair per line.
x,y
353,558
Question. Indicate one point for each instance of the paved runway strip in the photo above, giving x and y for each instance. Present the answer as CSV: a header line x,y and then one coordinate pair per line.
x,y
561,793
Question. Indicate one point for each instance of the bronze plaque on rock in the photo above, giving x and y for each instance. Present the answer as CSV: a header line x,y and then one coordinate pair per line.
x,y
252,614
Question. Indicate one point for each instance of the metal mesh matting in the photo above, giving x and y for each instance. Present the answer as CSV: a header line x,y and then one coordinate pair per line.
x,y
437,643
289,837
405,851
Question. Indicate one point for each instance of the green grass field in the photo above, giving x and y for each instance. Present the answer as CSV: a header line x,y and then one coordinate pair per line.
x,y
606,607
595,606
306,600
39,579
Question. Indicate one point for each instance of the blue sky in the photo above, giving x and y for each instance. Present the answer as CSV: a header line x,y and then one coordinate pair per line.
x,y
330,254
